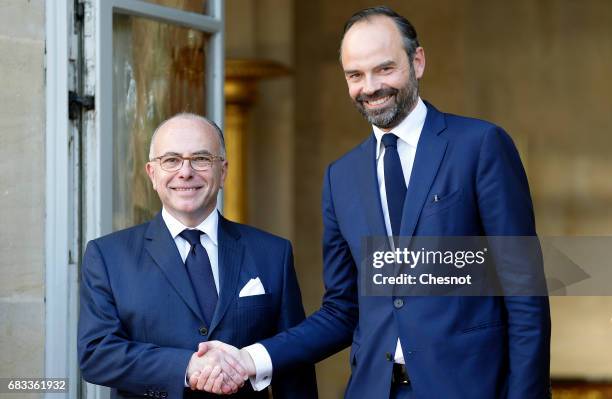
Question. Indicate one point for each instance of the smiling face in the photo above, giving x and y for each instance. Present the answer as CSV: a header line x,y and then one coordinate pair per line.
x,y
188,195
382,82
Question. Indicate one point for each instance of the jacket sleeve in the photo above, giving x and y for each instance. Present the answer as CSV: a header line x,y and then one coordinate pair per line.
x,y
107,356
329,329
506,210
299,382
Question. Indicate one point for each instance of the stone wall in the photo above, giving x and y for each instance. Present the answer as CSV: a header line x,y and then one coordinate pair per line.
x,y
22,182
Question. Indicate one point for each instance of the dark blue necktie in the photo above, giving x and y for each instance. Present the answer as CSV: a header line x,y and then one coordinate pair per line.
x,y
200,273
395,184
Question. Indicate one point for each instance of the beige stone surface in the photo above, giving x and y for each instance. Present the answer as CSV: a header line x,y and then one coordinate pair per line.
x,y
23,19
22,160
582,333
239,29
270,158
22,182
22,338
272,135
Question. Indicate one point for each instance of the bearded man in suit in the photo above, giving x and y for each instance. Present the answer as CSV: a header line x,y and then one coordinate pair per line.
x,y
420,172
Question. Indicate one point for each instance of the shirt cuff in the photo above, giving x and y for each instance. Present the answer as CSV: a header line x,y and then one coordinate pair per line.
x,y
263,366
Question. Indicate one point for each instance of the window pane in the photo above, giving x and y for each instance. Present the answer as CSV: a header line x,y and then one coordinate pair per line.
x,y
159,70
198,6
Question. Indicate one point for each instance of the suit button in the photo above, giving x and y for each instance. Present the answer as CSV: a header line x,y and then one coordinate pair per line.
x,y
388,356
203,330
398,303
164,394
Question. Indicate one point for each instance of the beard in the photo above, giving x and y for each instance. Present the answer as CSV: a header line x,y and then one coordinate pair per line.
x,y
403,101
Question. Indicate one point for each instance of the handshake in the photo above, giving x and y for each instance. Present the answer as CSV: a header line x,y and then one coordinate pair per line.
x,y
219,368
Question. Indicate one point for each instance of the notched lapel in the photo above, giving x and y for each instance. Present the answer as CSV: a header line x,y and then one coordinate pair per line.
x,y
231,254
370,197
429,155
160,245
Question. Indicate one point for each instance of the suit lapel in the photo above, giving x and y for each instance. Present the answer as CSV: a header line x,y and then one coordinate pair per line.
x,y
429,155
231,253
162,248
370,194
370,197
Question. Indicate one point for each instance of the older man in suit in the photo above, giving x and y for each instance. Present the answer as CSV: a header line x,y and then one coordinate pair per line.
x,y
152,292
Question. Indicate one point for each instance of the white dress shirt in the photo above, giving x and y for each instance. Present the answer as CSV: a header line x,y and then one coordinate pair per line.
x,y
408,132
209,239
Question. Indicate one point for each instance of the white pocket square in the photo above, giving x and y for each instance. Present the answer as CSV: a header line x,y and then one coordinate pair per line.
x,y
253,287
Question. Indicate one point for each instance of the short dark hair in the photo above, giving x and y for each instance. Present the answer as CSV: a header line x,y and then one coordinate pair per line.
x,y
409,34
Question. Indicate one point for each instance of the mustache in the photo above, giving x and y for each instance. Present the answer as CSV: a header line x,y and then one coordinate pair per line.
x,y
380,93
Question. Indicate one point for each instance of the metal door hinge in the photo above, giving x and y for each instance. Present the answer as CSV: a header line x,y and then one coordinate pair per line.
x,y
78,103
79,11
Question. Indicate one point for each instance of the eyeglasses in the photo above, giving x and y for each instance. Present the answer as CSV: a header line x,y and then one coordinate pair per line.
x,y
172,163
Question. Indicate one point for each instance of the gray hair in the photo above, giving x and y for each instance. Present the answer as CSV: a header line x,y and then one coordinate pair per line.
x,y
190,116
406,29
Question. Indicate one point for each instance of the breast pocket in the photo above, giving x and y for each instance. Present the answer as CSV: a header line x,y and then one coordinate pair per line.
x,y
256,318
255,301
439,202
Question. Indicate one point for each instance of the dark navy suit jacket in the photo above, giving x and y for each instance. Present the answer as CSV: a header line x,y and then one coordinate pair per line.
x,y
454,347
139,319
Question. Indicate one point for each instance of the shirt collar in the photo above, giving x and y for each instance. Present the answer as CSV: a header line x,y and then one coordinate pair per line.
x,y
409,130
208,226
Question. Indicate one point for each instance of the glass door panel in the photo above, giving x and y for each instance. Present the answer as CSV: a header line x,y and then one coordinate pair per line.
x,y
144,61
159,70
